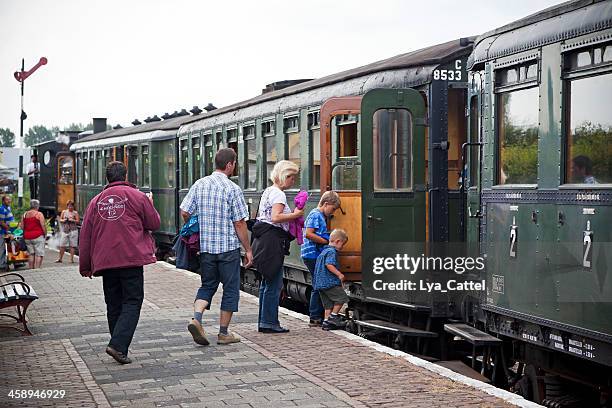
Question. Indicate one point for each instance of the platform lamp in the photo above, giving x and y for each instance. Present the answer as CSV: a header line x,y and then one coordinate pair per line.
x,y
21,77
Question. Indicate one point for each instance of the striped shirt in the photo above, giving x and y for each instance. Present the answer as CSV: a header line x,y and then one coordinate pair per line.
x,y
219,203
6,215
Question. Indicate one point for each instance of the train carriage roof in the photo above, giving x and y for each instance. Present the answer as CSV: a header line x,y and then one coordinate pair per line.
x,y
421,61
557,23
147,131
410,69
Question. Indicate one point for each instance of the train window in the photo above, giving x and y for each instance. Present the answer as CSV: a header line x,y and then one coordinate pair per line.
x,y
586,58
232,143
346,170
271,156
347,135
208,154
517,130
101,167
234,147
517,74
219,139
392,142
292,149
184,153
108,157
291,124
607,55
250,152
589,131
511,76
79,169
314,133
85,177
168,170
92,168
597,56
145,166
232,135
65,164
248,132
119,153
250,149
532,71
133,164
267,128
196,168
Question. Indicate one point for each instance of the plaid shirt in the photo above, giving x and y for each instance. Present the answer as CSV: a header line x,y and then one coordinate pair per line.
x,y
219,203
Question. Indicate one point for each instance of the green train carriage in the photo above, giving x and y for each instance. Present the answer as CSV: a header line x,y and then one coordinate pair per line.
x,y
539,192
149,152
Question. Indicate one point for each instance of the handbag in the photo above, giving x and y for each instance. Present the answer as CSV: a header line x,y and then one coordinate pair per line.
x,y
252,221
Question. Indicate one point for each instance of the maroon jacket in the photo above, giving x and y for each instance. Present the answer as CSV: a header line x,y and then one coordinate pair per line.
x,y
116,231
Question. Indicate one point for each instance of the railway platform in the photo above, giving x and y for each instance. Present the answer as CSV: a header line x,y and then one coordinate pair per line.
x,y
307,367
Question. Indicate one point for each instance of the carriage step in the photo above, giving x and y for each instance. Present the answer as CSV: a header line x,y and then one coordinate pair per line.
x,y
459,367
394,328
472,334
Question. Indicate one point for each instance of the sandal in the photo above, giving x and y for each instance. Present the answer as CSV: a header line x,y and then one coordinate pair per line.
x,y
58,261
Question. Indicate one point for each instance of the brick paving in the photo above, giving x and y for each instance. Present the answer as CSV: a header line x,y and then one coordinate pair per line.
x,y
306,368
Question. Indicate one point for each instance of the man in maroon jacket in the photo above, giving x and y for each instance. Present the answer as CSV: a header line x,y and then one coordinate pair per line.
x,y
115,243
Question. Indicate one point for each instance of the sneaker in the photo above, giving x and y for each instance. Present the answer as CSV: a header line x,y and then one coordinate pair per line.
x,y
327,325
275,330
197,332
314,323
118,356
228,338
337,321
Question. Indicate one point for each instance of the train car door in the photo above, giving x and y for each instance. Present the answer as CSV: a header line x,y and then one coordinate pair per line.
x,y
65,180
392,175
340,171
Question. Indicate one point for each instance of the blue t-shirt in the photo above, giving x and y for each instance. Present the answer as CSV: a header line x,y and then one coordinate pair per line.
x,y
323,278
6,215
316,220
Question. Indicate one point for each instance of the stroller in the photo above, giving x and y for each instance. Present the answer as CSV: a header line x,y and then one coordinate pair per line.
x,y
16,250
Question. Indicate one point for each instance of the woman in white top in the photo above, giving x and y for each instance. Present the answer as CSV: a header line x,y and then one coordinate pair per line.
x,y
274,210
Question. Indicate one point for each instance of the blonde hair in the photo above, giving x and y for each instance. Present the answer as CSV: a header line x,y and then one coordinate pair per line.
x,y
330,197
338,233
282,170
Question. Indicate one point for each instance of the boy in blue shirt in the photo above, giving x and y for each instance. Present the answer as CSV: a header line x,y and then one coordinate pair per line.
x,y
328,281
316,237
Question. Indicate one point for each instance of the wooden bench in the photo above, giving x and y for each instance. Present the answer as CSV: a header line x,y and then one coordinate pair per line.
x,y
16,294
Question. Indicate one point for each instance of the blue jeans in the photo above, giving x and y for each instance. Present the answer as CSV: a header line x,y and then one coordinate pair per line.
x,y
224,268
269,296
123,294
316,310
3,260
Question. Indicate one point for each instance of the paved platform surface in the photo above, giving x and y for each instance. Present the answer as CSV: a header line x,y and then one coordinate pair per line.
x,y
306,367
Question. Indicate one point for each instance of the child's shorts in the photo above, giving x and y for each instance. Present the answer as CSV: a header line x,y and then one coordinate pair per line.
x,y
333,296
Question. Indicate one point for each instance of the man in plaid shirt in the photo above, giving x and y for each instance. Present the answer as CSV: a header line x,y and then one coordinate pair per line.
x,y
222,215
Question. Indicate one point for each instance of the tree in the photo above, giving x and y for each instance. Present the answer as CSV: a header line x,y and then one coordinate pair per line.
x,y
38,134
7,138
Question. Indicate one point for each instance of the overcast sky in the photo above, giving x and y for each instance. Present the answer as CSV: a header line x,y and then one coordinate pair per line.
x,y
135,58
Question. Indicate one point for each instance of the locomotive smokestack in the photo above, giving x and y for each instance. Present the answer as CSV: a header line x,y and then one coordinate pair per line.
x,y
99,125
